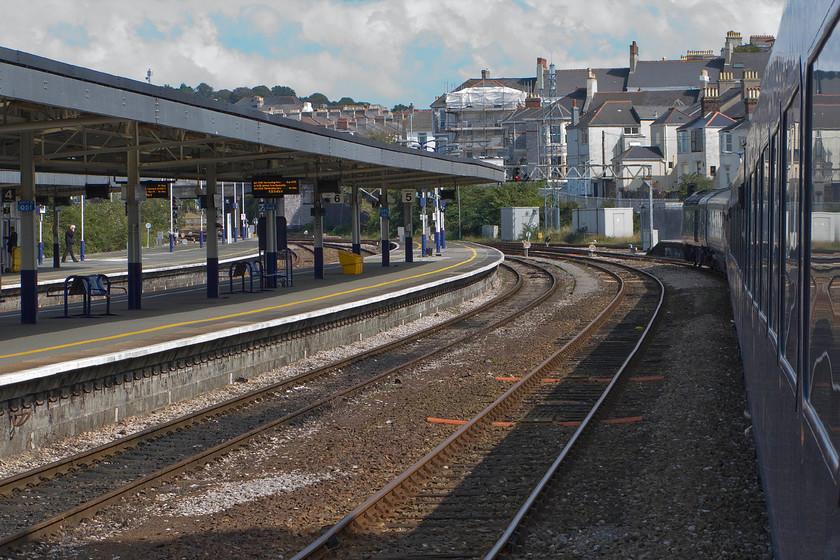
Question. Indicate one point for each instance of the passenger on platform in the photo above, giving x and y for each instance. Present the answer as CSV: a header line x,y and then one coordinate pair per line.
x,y
11,239
11,243
69,241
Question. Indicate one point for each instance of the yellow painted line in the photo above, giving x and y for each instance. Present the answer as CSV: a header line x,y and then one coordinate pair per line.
x,y
241,314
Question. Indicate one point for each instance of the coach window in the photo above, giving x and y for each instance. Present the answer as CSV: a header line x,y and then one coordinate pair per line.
x,y
790,296
822,386
772,204
764,231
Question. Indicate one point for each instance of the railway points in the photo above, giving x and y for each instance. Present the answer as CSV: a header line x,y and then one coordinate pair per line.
x,y
60,359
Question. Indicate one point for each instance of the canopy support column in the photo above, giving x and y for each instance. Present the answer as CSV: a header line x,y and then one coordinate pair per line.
x,y
29,266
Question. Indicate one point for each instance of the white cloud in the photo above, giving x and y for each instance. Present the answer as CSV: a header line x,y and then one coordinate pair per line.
x,y
369,50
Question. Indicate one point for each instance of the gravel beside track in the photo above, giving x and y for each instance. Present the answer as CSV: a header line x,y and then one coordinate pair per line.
x,y
681,483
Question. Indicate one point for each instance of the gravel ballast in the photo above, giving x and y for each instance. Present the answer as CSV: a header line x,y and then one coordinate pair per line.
x,y
680,483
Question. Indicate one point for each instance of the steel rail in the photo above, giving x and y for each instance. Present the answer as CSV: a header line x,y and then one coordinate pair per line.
x,y
329,540
503,541
32,478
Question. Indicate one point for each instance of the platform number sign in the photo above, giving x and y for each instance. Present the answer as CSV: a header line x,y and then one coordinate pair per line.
x,y
333,198
408,195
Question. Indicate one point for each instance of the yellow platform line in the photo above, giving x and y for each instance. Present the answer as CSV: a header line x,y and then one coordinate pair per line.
x,y
240,314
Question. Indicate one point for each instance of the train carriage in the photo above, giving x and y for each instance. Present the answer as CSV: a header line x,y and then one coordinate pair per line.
x,y
783,263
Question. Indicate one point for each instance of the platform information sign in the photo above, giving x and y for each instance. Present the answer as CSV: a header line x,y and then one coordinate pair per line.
x,y
274,188
156,189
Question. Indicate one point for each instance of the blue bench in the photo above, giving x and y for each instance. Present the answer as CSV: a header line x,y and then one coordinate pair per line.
x,y
253,269
88,286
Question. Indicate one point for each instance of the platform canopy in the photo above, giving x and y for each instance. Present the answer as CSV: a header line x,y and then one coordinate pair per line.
x,y
85,122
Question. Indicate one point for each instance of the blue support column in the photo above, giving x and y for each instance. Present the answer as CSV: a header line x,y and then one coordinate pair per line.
x,y
29,268
212,239
423,224
409,229
355,211
135,261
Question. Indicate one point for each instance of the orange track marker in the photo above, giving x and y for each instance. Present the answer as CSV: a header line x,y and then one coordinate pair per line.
x,y
509,378
623,420
446,421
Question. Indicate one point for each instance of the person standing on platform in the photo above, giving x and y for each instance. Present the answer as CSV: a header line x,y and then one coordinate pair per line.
x,y
69,241
11,244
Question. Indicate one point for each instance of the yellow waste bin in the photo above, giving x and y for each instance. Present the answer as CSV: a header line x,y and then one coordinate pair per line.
x,y
15,259
350,262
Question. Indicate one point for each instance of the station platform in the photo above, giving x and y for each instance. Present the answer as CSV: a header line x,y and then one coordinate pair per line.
x,y
181,317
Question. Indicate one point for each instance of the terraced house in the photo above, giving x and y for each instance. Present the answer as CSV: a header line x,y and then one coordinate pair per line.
x,y
609,131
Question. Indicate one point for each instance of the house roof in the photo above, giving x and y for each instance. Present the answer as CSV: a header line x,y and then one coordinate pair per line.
x,y
672,74
640,153
611,113
714,119
570,81
672,116
649,105
538,113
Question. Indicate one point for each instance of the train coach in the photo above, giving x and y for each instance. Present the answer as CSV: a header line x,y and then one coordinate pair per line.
x,y
703,228
782,256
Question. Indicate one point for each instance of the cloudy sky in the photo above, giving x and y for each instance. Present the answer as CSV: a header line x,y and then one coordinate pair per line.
x,y
380,51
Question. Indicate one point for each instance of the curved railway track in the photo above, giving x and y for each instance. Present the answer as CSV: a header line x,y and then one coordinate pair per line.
x,y
465,498
39,502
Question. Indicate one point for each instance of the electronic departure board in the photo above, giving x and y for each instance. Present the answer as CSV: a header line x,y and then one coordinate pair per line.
x,y
274,188
156,189
97,190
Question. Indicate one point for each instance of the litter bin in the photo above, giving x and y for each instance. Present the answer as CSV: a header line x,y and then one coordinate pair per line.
x,y
350,262
428,251
15,259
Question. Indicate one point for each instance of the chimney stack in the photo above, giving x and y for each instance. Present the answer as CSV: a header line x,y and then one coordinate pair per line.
x,y
710,102
591,85
540,76
750,99
733,40
634,56
485,74
533,103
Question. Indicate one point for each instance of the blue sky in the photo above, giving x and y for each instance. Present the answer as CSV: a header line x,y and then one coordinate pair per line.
x,y
380,51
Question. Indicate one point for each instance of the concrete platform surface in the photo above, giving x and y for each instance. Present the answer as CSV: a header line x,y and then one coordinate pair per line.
x,y
180,316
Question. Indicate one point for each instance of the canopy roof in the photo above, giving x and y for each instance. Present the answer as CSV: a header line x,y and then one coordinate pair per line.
x,y
85,122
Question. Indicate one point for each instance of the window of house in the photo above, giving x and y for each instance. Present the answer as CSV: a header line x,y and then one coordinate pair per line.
x,y
697,140
713,170
726,143
631,130
682,142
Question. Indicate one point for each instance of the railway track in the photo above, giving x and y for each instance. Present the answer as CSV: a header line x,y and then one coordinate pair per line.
x,y
41,501
466,498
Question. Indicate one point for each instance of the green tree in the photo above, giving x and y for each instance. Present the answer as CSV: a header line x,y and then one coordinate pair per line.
x,y
283,91
345,101
239,93
223,95
204,90
399,108
694,182
186,89
262,91
317,99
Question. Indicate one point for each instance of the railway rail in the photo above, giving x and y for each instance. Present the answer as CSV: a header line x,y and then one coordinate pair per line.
x,y
466,498
41,501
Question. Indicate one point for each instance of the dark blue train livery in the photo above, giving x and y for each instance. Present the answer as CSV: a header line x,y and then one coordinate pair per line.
x,y
776,233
